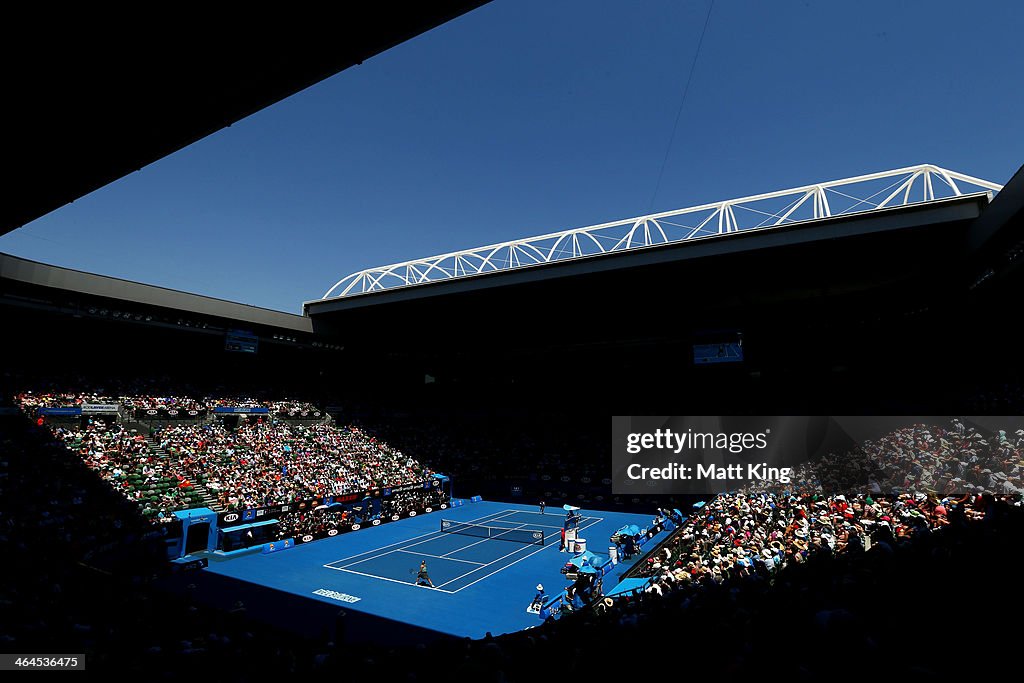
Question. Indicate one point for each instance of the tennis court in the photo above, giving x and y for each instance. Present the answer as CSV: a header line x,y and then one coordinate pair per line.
x,y
461,554
481,583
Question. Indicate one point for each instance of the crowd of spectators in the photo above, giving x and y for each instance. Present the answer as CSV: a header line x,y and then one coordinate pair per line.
x,y
264,463
254,464
317,522
236,401
161,402
909,482
291,407
320,521
30,400
124,460
942,460
406,501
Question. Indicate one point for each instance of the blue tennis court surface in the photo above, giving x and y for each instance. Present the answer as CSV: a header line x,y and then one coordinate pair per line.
x,y
481,584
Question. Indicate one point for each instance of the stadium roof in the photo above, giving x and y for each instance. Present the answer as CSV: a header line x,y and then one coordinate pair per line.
x,y
860,194
815,257
92,95
40,276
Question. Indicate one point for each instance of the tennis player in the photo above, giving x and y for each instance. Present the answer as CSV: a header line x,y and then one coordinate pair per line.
x,y
422,577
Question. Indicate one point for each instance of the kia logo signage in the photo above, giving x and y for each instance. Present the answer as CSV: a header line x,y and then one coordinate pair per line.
x,y
307,538
355,527
412,513
393,518
376,522
430,509
150,412
232,517
172,412
444,506
334,532
193,412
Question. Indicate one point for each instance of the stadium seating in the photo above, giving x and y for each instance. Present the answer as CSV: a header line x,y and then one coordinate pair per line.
x,y
259,463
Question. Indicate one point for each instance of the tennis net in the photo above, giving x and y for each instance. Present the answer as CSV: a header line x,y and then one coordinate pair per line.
x,y
497,533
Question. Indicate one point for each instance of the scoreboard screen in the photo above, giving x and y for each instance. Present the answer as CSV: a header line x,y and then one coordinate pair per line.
x,y
241,341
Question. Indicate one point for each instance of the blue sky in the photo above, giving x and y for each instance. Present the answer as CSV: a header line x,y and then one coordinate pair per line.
x,y
528,116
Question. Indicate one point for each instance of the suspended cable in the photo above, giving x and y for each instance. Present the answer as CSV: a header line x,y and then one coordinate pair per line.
x,y
686,89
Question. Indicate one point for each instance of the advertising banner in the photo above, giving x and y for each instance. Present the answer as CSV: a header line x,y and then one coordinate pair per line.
x,y
164,413
59,411
300,414
225,519
278,546
95,408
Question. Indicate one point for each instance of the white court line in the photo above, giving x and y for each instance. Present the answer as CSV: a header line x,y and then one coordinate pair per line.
x,y
440,557
439,534
500,569
486,565
489,538
410,545
503,513
495,515
384,578
596,520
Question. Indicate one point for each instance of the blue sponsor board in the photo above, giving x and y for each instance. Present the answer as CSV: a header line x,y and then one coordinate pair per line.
x,y
60,411
229,410
278,546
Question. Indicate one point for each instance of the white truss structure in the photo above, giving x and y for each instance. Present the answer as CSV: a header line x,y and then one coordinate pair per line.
x,y
900,187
